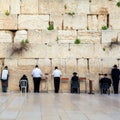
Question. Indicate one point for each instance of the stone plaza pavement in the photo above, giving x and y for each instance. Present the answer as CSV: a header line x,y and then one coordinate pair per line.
x,y
62,106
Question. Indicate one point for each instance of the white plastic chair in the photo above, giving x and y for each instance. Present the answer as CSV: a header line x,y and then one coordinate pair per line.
x,y
23,85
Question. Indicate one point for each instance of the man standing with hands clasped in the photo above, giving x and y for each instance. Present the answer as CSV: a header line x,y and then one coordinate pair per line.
x,y
56,75
37,74
115,74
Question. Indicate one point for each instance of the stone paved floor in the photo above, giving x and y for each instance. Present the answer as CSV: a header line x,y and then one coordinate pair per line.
x,y
62,106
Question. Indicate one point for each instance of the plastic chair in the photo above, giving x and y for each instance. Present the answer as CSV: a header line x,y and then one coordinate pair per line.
x,y
23,85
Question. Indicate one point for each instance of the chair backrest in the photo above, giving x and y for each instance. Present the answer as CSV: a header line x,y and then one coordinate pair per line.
x,y
23,83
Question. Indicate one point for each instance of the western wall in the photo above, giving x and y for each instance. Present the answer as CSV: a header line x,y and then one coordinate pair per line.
x,y
95,23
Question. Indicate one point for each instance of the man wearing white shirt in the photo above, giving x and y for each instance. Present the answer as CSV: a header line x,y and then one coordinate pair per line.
x,y
4,79
56,75
37,74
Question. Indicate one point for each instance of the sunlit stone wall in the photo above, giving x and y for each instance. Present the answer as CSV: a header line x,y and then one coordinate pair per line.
x,y
82,19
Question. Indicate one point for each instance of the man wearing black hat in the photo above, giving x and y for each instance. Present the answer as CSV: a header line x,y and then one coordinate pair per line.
x,y
115,73
75,83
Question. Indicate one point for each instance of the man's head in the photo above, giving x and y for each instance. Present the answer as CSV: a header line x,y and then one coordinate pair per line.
x,y
36,66
115,66
74,73
56,67
6,67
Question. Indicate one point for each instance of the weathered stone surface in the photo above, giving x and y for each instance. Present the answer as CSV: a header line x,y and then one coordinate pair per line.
x,y
82,50
29,6
15,6
44,7
58,21
4,6
26,62
67,34
114,21
33,21
78,7
58,6
6,36
5,49
75,21
82,19
8,22
96,21
97,6
20,35
35,36
109,36
89,36
11,62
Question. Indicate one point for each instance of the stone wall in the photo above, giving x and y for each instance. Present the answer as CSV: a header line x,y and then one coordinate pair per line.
x,y
82,19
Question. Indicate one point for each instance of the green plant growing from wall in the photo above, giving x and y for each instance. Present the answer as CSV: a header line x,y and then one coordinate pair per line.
x,y
51,26
104,27
7,13
65,6
57,39
87,28
104,49
71,13
118,4
77,41
19,48
90,1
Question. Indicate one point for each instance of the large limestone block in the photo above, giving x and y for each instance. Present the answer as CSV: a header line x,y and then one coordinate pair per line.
x,y
75,21
69,69
82,50
35,51
20,35
8,22
109,36
81,6
10,62
44,7
51,7
96,21
89,36
56,6
49,37
67,34
27,62
107,64
99,51
82,66
5,49
114,21
4,6
58,21
33,21
29,6
58,51
35,36
97,6
104,7
92,22
6,36
104,50
43,37
15,6
95,66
